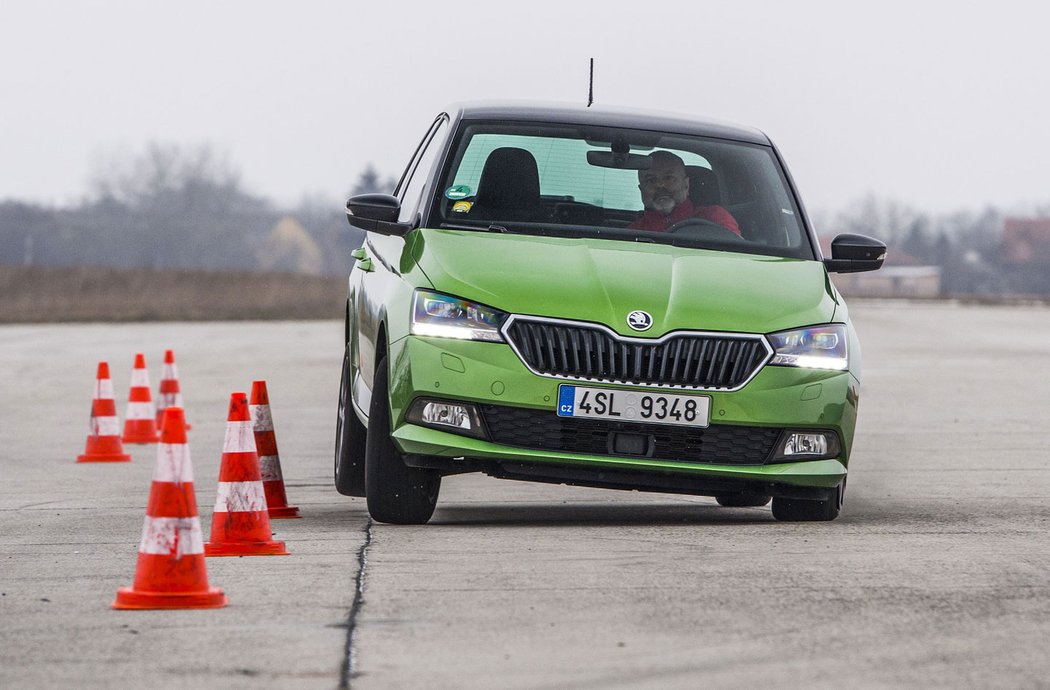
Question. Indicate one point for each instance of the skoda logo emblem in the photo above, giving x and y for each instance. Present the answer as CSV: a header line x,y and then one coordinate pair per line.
x,y
640,320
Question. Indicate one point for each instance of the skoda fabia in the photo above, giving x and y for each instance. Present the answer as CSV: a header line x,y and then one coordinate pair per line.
x,y
597,297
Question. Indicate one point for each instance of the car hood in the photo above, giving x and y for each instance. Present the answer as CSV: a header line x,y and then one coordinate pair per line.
x,y
604,280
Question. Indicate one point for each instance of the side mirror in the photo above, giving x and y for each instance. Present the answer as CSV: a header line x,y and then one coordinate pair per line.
x,y
376,212
855,253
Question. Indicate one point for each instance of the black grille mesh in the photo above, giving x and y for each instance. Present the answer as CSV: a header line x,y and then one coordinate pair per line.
x,y
581,351
542,429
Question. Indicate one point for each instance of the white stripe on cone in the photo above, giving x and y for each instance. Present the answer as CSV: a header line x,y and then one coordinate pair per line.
x,y
141,410
270,468
240,497
169,372
240,438
105,426
170,535
139,378
166,400
173,463
261,417
104,389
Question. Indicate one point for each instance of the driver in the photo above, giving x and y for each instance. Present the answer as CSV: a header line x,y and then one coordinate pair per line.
x,y
665,195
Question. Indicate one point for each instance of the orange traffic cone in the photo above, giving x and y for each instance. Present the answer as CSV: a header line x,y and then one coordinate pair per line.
x,y
171,573
169,394
269,459
241,525
140,422
103,441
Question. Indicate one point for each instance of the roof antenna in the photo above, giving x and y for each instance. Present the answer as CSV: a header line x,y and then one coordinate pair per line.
x,y
590,90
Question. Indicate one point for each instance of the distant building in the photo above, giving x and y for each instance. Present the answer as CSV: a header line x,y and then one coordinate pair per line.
x,y
1025,255
901,275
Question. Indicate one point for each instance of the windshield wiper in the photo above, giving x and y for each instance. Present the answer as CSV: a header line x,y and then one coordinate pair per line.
x,y
531,229
491,228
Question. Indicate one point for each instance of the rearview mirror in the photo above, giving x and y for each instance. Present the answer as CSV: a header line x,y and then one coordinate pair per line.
x,y
376,212
855,253
615,159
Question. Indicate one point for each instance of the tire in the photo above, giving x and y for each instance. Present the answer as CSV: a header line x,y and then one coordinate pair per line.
x,y
350,436
800,510
396,493
742,500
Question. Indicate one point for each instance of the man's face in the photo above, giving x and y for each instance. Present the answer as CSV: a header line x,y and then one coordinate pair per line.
x,y
663,186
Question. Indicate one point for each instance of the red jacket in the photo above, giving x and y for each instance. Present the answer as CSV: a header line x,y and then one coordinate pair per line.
x,y
654,221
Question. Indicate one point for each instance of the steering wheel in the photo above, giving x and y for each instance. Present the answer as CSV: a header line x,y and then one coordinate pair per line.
x,y
704,229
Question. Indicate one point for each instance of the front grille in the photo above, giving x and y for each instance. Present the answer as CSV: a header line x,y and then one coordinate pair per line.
x,y
587,351
545,430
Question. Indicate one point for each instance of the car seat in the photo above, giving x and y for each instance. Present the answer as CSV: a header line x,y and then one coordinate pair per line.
x,y
704,189
509,188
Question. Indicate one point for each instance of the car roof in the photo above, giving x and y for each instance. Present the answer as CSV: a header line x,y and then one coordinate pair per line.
x,y
565,113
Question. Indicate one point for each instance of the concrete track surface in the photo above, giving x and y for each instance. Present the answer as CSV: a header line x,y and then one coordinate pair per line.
x,y
936,575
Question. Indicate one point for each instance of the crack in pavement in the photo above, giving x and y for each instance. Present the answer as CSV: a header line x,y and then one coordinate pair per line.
x,y
346,673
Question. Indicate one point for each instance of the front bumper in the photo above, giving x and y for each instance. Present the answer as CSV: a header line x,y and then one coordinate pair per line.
x,y
491,374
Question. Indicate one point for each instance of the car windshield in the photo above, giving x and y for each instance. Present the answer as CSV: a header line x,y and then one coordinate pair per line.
x,y
620,184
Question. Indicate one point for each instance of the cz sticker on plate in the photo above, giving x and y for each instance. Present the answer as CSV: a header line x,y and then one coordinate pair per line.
x,y
624,405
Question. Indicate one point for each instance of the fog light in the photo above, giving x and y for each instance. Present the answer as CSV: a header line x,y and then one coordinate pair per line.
x,y
806,444
810,444
446,414
461,418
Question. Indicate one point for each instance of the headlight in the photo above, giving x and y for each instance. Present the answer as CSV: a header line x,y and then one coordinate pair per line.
x,y
817,347
445,316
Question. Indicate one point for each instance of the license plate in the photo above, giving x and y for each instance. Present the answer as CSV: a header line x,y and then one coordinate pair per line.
x,y
624,405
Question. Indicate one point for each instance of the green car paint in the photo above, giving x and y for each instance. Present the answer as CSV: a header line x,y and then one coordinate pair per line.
x,y
774,399
514,274
601,280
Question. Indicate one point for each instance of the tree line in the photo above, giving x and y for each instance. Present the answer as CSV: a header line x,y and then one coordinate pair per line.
x,y
967,245
175,207
178,207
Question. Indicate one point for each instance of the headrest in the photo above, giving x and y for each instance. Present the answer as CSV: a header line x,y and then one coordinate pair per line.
x,y
509,180
703,186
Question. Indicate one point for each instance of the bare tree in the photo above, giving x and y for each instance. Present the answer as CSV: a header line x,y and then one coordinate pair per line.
x,y
163,170
176,206
887,219
369,182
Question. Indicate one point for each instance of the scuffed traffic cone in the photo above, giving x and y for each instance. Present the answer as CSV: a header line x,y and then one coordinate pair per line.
x,y
140,422
269,459
241,525
169,395
171,573
103,441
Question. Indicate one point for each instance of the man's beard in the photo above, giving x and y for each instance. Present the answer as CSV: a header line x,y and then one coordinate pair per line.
x,y
664,204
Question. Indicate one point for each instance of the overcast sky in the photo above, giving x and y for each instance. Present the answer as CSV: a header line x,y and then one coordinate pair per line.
x,y
942,105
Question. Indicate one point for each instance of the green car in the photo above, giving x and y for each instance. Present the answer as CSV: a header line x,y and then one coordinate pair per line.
x,y
597,297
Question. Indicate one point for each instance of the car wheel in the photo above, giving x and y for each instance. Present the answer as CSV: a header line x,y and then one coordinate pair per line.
x,y
350,436
396,492
801,510
742,500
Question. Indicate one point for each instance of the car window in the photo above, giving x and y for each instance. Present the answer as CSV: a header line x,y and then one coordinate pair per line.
x,y
410,189
560,173
543,178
